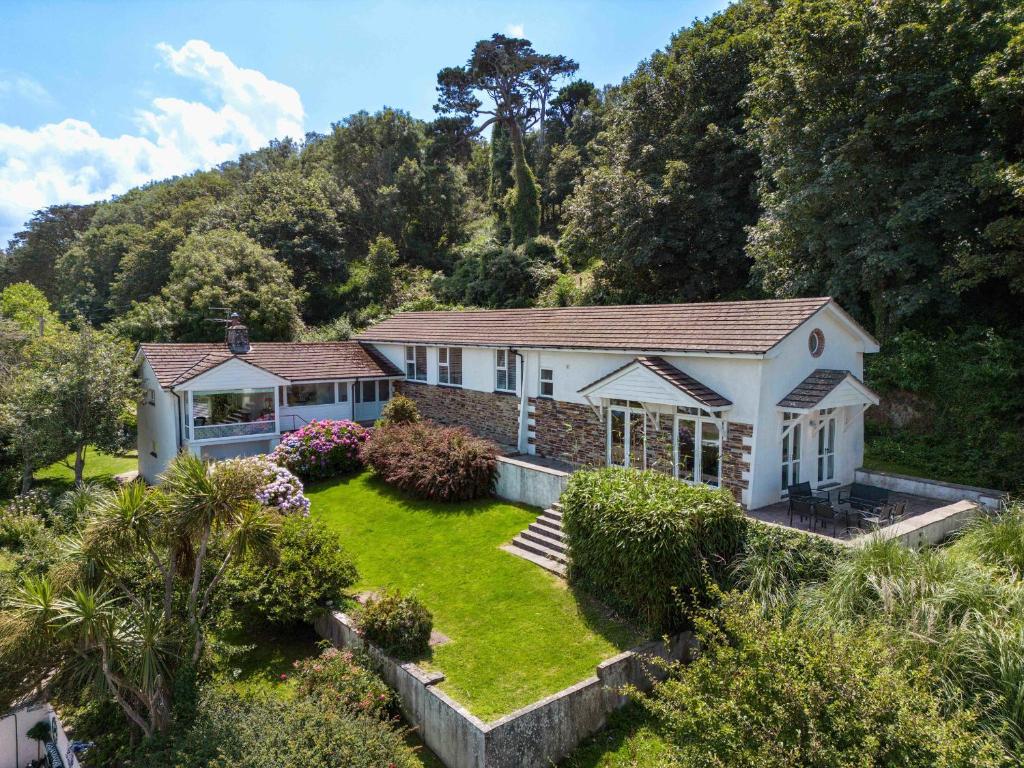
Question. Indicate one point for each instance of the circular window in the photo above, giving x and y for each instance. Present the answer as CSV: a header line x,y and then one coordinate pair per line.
x,y
816,342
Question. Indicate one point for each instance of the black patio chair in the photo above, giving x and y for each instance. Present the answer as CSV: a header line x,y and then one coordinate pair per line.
x,y
802,492
811,508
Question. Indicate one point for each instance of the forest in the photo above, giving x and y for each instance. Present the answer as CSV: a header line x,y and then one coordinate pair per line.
x,y
870,151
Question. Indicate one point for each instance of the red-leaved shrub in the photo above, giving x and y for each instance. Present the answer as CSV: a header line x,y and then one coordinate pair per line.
x,y
431,461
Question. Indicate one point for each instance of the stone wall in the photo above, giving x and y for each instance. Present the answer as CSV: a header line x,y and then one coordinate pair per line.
x,y
536,736
494,415
736,458
568,432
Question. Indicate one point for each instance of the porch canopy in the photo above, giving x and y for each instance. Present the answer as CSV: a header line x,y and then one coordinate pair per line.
x,y
828,388
654,380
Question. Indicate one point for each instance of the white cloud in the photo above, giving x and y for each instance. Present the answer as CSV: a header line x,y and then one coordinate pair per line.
x,y
71,161
514,30
22,86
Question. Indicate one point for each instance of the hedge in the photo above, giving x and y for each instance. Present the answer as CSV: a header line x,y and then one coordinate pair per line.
x,y
646,543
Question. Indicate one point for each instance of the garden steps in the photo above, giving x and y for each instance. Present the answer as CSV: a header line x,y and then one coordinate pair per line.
x,y
543,541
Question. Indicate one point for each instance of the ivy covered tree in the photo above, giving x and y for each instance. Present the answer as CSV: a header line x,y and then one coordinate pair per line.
x,y
517,82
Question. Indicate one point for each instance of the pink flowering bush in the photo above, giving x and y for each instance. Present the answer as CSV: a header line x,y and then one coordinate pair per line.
x,y
338,678
273,486
322,449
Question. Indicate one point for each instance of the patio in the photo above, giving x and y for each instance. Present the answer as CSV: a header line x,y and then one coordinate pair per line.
x,y
778,513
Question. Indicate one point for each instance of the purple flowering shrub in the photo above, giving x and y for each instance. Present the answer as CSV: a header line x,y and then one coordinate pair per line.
x,y
322,449
274,486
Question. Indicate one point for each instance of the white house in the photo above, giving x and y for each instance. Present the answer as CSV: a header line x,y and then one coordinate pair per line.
x,y
237,398
752,396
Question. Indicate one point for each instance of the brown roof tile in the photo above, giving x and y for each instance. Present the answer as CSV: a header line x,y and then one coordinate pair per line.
x,y
815,388
296,361
728,326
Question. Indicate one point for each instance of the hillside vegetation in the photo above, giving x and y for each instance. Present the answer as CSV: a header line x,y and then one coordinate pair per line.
x,y
872,151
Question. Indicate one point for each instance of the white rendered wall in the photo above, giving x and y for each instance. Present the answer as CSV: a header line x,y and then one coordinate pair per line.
x,y
791,362
157,428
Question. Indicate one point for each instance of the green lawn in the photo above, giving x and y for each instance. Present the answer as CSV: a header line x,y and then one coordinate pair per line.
x,y
99,468
516,632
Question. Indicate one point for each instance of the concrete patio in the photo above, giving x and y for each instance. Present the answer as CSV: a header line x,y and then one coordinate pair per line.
x,y
778,514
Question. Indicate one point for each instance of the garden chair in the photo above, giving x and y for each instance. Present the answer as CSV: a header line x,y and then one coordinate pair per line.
x,y
801,492
810,508
868,498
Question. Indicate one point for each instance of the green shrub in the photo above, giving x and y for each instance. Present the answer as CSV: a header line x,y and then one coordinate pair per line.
x,y
321,449
257,731
775,562
311,575
339,679
775,694
16,529
398,624
646,543
433,462
399,410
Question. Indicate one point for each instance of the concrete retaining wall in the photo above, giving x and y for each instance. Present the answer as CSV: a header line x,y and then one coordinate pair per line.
x,y
930,489
933,527
529,483
535,736
17,749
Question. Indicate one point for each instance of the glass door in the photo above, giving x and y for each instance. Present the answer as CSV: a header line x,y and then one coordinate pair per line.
x,y
827,447
698,449
626,436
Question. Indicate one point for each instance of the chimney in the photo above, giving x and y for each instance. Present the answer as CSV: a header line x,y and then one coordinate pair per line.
x,y
237,335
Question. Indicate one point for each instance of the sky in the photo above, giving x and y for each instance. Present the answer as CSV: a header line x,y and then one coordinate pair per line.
x,y
98,97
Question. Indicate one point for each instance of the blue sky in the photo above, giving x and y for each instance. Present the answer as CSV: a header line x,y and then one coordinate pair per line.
x,y
97,97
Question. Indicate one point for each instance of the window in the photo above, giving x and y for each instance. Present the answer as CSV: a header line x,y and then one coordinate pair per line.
x,y
505,367
827,446
627,434
383,391
415,363
816,342
790,450
369,391
449,366
342,391
233,413
547,382
698,448
149,396
320,393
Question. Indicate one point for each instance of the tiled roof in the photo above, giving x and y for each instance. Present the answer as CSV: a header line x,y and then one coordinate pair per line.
x,y
728,326
816,387
296,361
682,381
702,393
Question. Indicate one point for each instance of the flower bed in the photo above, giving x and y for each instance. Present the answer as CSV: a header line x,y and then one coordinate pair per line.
x,y
322,449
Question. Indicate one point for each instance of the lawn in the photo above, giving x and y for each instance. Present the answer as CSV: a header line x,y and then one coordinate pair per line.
x,y
516,632
99,468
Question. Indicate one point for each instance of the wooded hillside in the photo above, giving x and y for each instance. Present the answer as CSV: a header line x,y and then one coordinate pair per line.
x,y
872,151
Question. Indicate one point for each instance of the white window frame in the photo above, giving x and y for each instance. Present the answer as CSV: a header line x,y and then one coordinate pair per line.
x,y
628,410
411,353
548,380
444,364
828,436
287,389
792,439
697,419
506,368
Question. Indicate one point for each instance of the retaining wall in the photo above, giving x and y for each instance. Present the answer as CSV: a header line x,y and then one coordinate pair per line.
x,y
17,749
933,527
535,736
930,489
529,483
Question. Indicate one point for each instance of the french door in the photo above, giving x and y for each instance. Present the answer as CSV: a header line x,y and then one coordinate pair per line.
x,y
697,449
626,436
827,446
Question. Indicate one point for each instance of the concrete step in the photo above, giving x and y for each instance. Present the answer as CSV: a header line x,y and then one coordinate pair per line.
x,y
536,548
554,517
557,506
551,533
554,566
551,525
543,540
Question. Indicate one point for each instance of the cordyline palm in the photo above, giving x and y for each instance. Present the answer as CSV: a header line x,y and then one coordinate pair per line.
x,y
104,621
